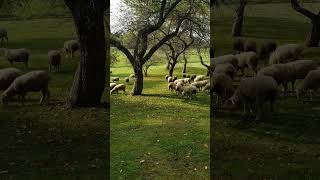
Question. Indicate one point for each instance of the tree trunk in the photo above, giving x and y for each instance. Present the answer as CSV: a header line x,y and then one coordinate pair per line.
x,y
89,80
168,65
238,22
172,68
184,70
138,84
314,38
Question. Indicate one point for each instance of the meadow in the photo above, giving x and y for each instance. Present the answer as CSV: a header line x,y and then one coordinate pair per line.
x,y
159,135
286,144
50,141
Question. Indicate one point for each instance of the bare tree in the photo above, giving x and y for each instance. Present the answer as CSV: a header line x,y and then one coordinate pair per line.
x,y
314,37
238,21
89,80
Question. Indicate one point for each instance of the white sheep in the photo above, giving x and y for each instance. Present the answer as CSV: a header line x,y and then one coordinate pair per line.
x,y
310,83
115,79
286,53
247,60
119,87
33,81
229,58
206,88
112,85
132,76
7,76
226,69
17,55
71,46
170,79
189,91
222,86
254,92
267,47
172,86
54,60
199,78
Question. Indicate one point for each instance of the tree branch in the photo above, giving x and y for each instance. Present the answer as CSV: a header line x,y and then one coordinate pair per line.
x,y
297,7
123,49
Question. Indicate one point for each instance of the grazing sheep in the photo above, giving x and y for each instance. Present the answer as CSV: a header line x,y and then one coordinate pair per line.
x,y
267,48
286,53
256,91
172,86
189,91
115,79
7,76
230,58
206,88
170,79
17,55
71,46
289,72
199,78
222,86
311,82
174,78
126,79
132,76
227,69
167,76
112,85
192,77
179,87
54,60
200,84
119,87
247,59
33,81
3,35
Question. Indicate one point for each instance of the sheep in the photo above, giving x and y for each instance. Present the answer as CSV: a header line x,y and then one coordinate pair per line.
x,y
172,86
226,68
33,81
179,87
200,84
7,76
311,82
115,79
230,58
289,72
267,48
244,45
255,91
174,78
189,91
17,55
132,76
170,79
126,79
250,45
247,59
206,88
119,87
221,85
112,85
3,35
199,78
167,76
54,60
286,53
192,77
70,47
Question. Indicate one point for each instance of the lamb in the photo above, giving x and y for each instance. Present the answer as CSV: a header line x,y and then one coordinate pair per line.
x,y
33,81
247,59
311,82
115,79
3,35
222,86
17,55
54,60
256,91
189,91
112,85
7,76
230,58
172,86
226,69
267,48
286,53
71,46
289,72
199,78
119,87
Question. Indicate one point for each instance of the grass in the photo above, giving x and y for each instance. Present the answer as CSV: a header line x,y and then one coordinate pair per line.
x,y
159,135
51,141
286,144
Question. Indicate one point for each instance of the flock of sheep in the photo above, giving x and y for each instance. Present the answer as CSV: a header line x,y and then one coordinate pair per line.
x,y
13,82
285,66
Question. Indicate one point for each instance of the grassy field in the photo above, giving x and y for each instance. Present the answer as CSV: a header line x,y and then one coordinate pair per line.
x,y
282,146
159,135
51,141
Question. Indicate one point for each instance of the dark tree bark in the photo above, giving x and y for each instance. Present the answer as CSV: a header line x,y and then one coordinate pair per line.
x,y
238,22
172,66
184,70
89,80
314,37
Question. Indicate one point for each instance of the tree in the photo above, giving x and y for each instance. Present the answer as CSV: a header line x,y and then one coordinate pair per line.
x,y
185,60
314,37
153,61
89,79
150,16
238,21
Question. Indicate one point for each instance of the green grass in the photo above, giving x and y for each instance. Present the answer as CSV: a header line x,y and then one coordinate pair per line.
x,y
286,144
51,141
159,135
